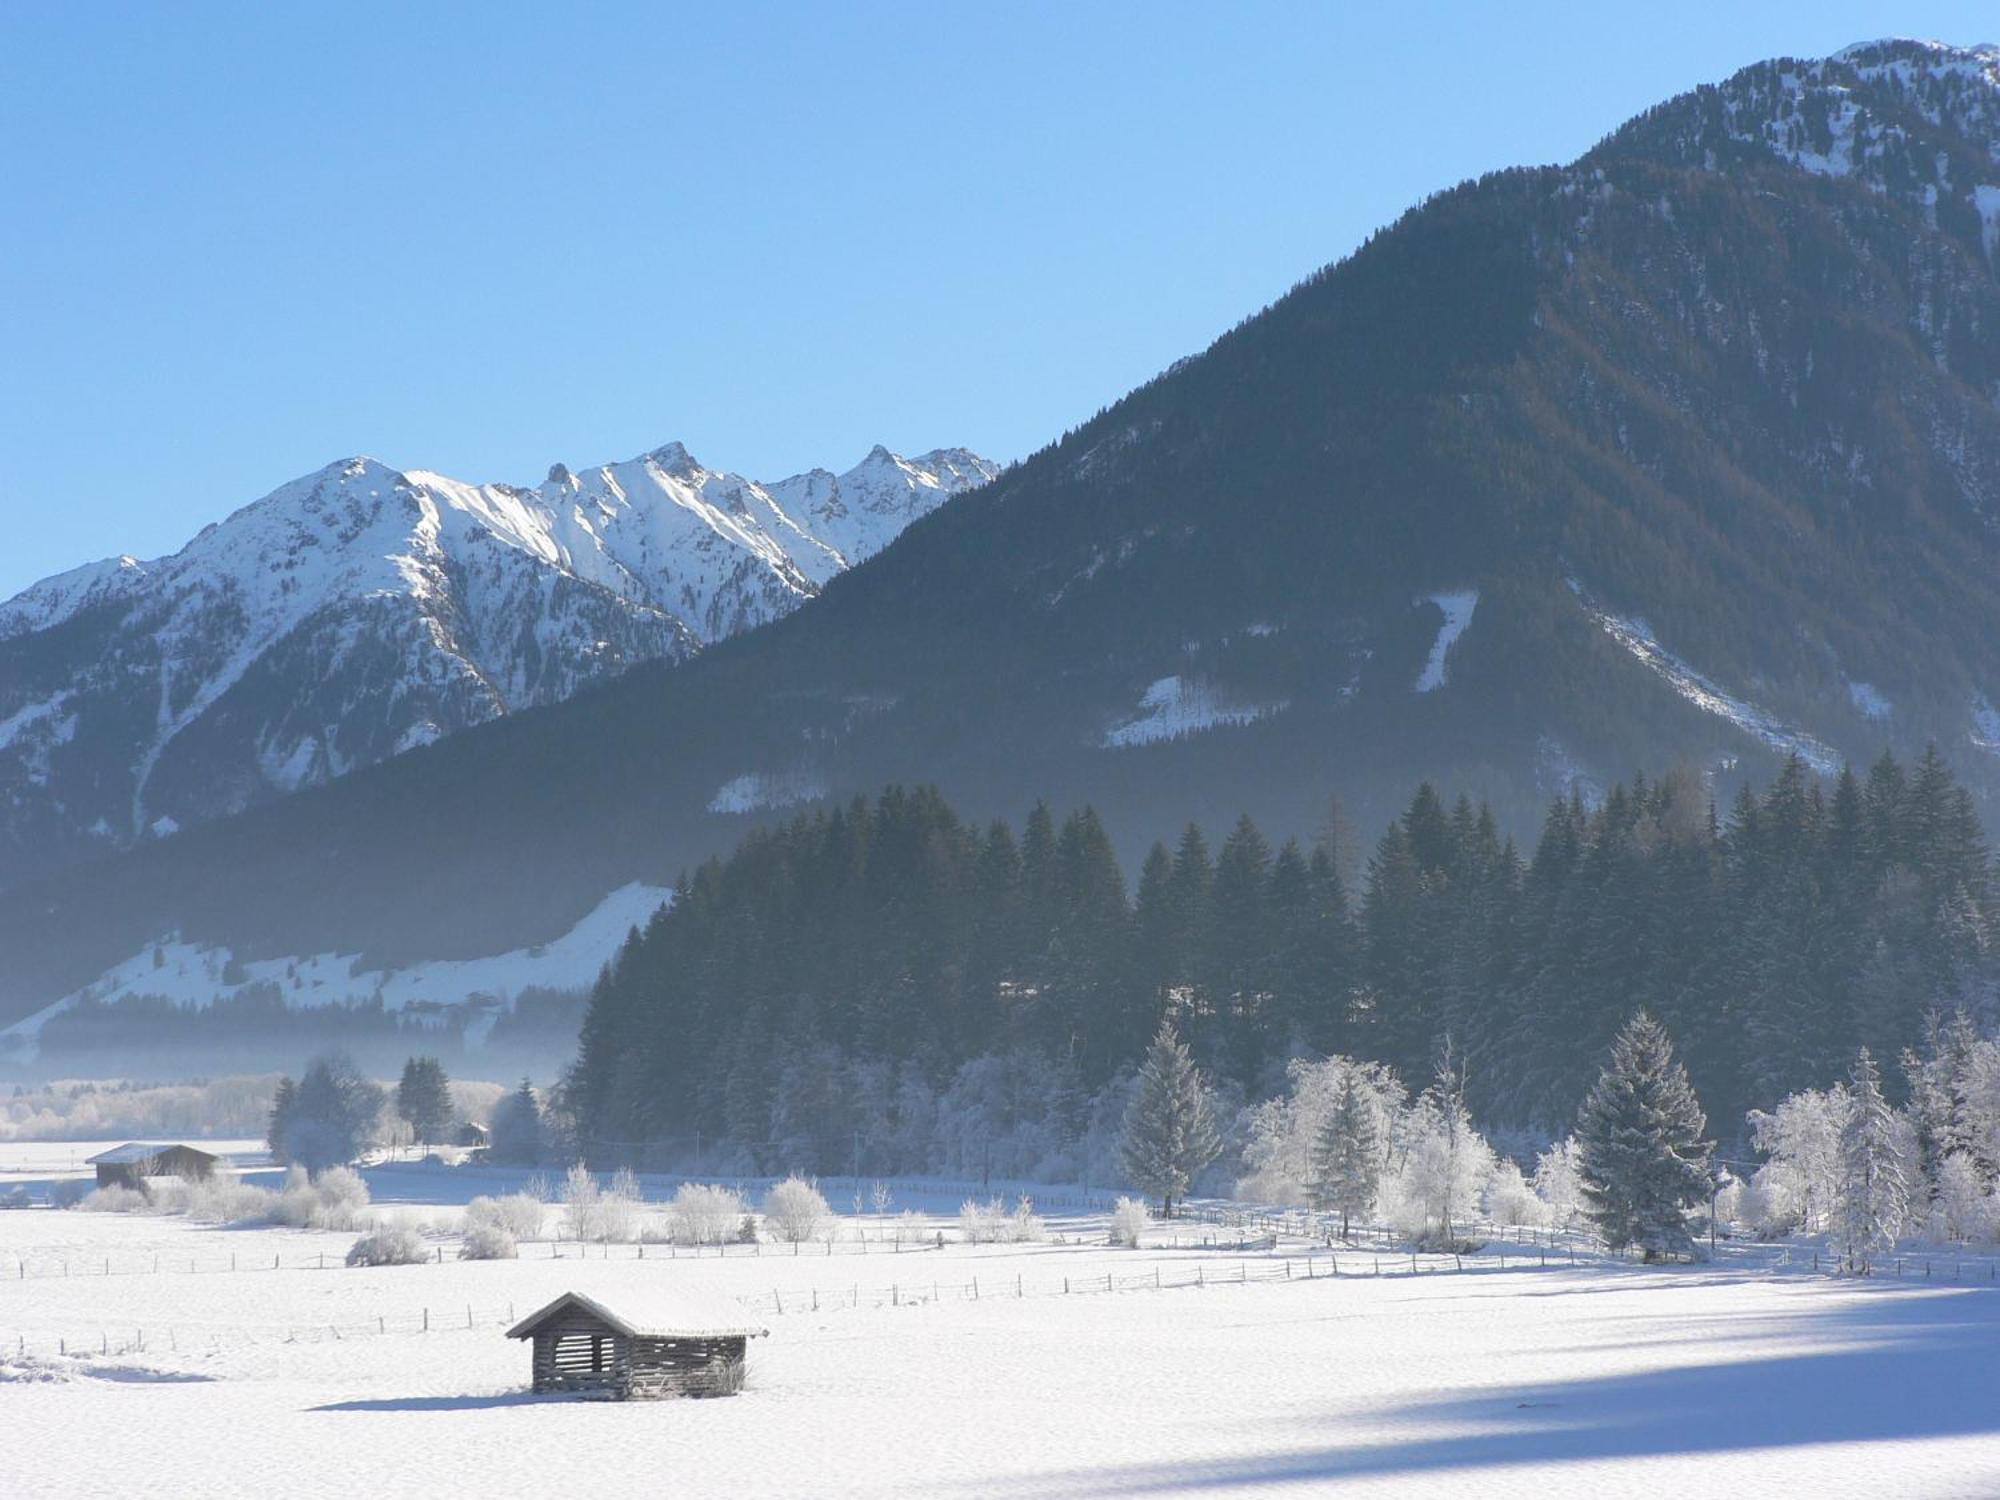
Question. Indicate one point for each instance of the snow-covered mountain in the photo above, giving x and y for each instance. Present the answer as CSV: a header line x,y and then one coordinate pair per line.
x,y
361,611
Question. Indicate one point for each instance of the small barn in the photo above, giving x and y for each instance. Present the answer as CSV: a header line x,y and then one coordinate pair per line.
x,y
681,1340
131,1164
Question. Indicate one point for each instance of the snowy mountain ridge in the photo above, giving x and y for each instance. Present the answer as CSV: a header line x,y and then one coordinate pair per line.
x,y
361,611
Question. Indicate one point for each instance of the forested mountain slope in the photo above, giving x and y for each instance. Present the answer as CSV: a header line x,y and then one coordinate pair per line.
x,y
1685,453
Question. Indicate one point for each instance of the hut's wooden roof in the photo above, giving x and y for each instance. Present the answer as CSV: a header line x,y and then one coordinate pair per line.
x,y
136,1151
678,1310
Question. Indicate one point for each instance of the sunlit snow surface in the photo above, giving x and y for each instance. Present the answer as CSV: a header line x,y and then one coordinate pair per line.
x,y
1636,636
1607,1380
755,791
1174,707
197,976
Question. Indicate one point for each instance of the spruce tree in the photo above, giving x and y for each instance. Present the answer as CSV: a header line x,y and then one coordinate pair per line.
x,y
1170,1132
1874,1187
1645,1163
423,1099
1347,1174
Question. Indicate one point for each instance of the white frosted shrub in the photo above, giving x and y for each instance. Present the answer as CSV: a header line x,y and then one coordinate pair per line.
x,y
703,1215
114,1200
794,1210
394,1246
1509,1199
1026,1227
224,1198
1129,1217
488,1242
912,1228
343,1200
982,1223
581,1198
517,1214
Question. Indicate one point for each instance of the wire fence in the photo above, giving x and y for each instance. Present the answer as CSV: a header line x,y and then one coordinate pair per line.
x,y
912,1292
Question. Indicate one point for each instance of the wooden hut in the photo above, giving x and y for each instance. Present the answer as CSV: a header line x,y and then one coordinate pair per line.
x,y
131,1164
678,1340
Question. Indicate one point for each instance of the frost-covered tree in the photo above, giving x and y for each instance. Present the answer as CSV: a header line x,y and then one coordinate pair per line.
x,y
794,1210
1874,1188
1282,1135
1645,1163
1348,1167
1961,1208
1170,1132
1798,1188
1439,1167
518,1136
423,1099
332,1115
1558,1182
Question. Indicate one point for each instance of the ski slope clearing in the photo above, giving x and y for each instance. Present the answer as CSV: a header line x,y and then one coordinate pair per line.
x,y
1603,1379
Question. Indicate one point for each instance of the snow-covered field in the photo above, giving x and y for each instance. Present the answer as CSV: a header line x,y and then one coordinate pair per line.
x,y
1597,1379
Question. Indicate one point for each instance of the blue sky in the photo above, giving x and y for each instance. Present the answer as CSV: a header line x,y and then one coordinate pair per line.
x,y
244,241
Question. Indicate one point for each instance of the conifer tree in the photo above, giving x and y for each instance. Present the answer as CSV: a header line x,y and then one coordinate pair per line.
x,y
423,1099
1874,1188
1170,1132
1348,1162
1645,1163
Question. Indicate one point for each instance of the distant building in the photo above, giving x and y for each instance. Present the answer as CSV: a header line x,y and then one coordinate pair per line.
x,y
131,1164
473,1134
665,1341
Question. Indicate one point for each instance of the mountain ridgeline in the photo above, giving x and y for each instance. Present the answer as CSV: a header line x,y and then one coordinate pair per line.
x,y
1684,453
361,612
892,949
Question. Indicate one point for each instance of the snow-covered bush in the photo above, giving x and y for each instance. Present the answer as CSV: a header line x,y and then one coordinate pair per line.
x,y
911,1228
1026,1227
488,1242
336,1199
1509,1199
517,1214
115,1200
703,1215
982,1223
1129,1217
393,1246
580,1198
794,1210
224,1198
990,1223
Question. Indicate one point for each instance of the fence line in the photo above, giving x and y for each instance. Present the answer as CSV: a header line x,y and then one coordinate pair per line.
x,y
916,1291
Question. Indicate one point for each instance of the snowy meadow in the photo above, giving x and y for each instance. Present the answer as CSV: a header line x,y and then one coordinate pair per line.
x,y
926,1344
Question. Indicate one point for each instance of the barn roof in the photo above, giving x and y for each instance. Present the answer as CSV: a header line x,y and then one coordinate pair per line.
x,y
133,1151
681,1310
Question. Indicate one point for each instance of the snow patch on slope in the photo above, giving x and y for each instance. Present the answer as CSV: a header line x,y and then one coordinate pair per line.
x,y
1458,607
1985,726
755,791
1175,707
1637,637
1868,701
195,976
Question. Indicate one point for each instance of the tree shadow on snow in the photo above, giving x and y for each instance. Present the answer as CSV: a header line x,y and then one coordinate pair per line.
x,y
1899,1367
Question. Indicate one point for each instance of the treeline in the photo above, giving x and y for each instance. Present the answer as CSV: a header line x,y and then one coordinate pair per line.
x,y
894,939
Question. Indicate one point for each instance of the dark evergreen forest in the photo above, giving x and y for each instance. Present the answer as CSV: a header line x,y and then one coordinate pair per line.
x,y
1772,937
